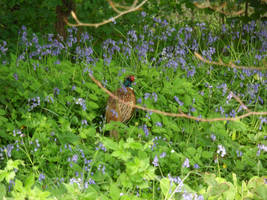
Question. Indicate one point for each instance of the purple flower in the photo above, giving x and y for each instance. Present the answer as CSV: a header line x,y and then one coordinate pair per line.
x,y
102,147
91,181
159,124
178,101
239,153
261,147
155,96
186,163
221,109
57,62
3,48
41,177
132,35
196,166
74,158
221,150
143,14
193,109
162,155
146,129
84,122
56,91
260,100
49,99
81,102
156,161
76,181
263,121
34,102
16,132
146,95
213,137
9,149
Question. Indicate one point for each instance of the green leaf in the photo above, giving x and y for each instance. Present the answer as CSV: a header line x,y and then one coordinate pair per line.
x,y
125,181
3,174
87,132
207,154
218,189
261,191
150,173
2,112
210,179
114,191
191,151
92,105
165,187
158,130
78,90
14,164
237,126
93,97
10,175
2,191
121,154
29,181
68,137
110,144
132,144
18,186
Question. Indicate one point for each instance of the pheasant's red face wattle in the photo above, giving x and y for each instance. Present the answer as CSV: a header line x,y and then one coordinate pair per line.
x,y
131,78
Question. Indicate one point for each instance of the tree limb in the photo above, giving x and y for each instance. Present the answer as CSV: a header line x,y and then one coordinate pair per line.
x,y
112,19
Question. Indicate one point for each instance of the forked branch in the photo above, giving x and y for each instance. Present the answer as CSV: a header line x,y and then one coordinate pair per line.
x,y
218,9
114,6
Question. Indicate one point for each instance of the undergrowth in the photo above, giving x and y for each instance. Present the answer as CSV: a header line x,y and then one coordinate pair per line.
x,y
54,138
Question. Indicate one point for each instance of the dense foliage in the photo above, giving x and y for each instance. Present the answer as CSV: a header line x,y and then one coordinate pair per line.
x,y
54,140
41,16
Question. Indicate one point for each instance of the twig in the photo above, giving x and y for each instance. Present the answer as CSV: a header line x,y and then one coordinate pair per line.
x,y
232,65
218,8
174,114
240,101
114,6
112,19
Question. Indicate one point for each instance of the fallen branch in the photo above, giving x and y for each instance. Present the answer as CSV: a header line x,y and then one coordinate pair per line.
x,y
232,65
182,115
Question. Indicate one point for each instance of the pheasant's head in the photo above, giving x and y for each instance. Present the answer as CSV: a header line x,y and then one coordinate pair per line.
x,y
128,81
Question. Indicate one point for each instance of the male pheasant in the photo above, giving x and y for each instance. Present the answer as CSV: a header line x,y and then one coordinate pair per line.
x,y
118,111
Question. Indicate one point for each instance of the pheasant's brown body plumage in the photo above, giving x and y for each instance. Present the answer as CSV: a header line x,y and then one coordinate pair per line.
x,y
118,111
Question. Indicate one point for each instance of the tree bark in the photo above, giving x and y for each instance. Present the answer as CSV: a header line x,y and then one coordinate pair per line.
x,y
63,12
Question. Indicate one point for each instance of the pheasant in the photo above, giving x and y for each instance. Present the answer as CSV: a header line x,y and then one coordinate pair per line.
x,y
118,111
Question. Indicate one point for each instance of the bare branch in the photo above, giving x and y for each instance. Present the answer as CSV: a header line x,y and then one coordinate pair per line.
x,y
112,4
239,101
116,5
174,114
218,8
232,65
112,19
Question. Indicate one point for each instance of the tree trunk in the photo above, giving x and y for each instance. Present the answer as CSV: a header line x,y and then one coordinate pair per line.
x,y
63,12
